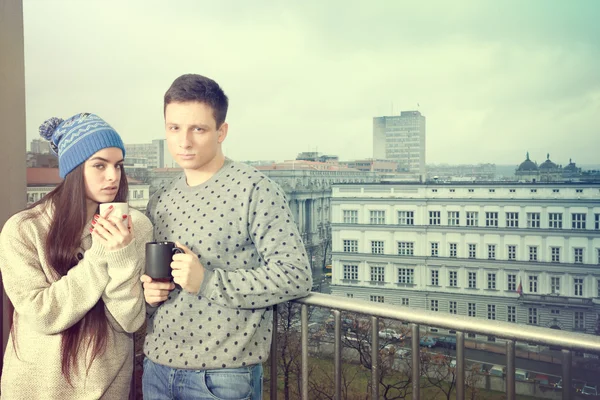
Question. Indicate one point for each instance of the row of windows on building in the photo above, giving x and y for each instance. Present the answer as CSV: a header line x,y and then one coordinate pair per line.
x,y
533,253
512,219
406,276
533,314
494,190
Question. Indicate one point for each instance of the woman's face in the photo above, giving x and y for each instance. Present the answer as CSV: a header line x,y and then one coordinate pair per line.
x,y
102,175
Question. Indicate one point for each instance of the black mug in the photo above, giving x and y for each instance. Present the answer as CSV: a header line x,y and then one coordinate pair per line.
x,y
158,260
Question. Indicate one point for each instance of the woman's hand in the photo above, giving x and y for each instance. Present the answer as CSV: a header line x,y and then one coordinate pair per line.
x,y
111,231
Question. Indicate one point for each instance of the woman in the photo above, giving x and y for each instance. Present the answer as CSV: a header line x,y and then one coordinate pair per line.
x,y
73,275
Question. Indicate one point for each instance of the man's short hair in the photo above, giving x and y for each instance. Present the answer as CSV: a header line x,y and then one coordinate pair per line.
x,y
193,87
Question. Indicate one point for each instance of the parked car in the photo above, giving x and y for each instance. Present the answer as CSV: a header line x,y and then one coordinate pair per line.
x,y
403,353
448,342
427,341
497,370
521,375
589,390
390,334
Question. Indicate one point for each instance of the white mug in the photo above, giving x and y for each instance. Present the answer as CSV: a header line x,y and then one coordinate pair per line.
x,y
119,209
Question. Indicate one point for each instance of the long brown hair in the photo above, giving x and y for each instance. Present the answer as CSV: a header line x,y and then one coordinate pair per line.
x,y
69,218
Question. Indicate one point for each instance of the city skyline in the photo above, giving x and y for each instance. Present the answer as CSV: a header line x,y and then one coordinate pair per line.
x,y
493,79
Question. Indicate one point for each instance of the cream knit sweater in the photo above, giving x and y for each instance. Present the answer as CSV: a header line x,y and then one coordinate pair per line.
x,y
46,304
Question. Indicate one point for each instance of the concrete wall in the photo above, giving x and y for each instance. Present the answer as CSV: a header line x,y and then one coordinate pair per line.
x,y
12,129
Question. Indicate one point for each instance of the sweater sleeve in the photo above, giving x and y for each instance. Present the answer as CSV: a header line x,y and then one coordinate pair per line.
x,y
285,274
124,295
49,306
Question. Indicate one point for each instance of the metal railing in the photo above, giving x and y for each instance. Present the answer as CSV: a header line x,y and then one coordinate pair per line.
x,y
511,332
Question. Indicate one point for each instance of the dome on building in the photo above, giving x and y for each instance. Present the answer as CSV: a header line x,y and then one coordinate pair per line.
x,y
527,165
548,165
572,167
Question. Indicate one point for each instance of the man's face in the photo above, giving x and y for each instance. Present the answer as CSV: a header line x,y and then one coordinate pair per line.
x,y
193,138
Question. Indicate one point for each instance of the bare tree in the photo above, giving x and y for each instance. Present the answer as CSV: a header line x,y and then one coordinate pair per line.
x,y
441,373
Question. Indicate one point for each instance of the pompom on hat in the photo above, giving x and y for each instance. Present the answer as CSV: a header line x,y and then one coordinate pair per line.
x,y
76,139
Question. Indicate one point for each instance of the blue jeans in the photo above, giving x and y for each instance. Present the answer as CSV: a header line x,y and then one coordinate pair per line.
x,y
165,383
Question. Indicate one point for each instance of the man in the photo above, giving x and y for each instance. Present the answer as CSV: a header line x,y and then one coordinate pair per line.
x,y
210,330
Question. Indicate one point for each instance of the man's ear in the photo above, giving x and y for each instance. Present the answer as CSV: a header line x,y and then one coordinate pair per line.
x,y
222,132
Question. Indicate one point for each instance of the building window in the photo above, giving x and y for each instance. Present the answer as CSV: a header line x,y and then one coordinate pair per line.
x,y
554,311
406,275
492,190
452,190
472,309
377,299
579,320
555,285
350,272
433,305
350,295
350,246
472,280
555,190
434,190
491,281
350,216
512,190
555,220
512,219
453,278
597,221
435,217
578,190
491,311
406,248
533,284
533,253
472,218
472,250
491,251
511,313
533,220
471,190
377,217
533,315
578,255
491,219
577,221
533,190
453,218
578,286
512,252
598,256
377,274
405,301
453,247
406,217
435,277
434,249
512,282
452,309
377,246
555,254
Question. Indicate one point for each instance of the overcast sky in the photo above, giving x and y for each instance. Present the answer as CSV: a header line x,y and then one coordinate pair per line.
x,y
493,78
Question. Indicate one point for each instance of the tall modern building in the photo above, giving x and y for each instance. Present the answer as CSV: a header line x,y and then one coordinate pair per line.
x,y
527,253
39,146
156,153
401,138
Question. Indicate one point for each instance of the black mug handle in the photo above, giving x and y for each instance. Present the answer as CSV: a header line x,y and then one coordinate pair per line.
x,y
177,250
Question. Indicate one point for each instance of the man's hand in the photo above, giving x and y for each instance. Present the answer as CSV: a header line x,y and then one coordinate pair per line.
x,y
187,270
156,292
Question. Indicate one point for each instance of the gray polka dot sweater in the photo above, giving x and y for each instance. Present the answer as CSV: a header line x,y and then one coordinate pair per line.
x,y
240,226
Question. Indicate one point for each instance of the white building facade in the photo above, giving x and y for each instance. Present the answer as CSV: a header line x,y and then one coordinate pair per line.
x,y
523,253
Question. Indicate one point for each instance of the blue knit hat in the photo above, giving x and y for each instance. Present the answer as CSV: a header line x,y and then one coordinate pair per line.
x,y
76,139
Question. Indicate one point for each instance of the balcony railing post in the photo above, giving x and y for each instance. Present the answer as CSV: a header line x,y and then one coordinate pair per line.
x,y
566,374
510,370
274,355
304,315
416,362
374,357
338,355
460,365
